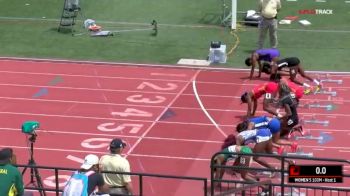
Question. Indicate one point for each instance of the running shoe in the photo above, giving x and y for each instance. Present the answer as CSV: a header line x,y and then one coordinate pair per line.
x,y
307,91
317,88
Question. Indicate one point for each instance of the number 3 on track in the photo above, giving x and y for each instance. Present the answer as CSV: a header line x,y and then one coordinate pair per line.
x,y
132,112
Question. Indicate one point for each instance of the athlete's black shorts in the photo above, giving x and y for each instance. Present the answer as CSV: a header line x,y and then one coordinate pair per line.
x,y
288,62
292,121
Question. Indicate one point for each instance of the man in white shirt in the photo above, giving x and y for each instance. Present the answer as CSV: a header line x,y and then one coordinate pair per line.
x,y
119,184
268,10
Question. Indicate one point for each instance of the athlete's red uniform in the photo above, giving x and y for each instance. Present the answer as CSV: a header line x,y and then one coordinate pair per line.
x,y
261,89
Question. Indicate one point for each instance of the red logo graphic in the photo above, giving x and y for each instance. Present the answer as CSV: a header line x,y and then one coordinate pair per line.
x,y
294,170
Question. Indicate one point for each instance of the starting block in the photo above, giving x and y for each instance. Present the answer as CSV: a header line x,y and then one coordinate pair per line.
x,y
332,81
302,154
322,139
328,107
332,93
314,121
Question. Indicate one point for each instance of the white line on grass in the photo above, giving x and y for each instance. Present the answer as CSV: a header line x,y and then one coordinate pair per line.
x,y
167,25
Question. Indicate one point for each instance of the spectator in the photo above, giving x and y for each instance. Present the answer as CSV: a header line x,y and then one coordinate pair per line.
x,y
90,168
268,10
10,178
119,184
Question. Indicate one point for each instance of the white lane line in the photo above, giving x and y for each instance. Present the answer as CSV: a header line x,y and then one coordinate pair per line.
x,y
162,138
149,121
302,114
88,76
161,114
108,64
168,74
204,110
344,151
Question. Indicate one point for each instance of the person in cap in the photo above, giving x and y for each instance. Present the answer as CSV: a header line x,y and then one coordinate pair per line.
x,y
10,178
119,184
238,160
90,166
269,55
268,89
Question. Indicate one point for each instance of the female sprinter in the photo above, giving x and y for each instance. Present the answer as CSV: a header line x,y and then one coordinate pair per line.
x,y
274,125
251,97
222,159
288,101
263,142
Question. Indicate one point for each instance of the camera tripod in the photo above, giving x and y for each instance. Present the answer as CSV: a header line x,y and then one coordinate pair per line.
x,y
35,178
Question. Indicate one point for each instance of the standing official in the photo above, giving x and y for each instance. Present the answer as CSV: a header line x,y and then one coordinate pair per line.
x,y
268,10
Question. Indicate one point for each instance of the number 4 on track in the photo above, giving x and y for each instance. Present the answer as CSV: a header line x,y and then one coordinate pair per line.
x,y
132,112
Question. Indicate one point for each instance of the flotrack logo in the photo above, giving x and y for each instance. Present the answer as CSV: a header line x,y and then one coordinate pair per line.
x,y
316,11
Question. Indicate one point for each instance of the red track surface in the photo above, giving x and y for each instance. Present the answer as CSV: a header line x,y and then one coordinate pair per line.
x,y
81,107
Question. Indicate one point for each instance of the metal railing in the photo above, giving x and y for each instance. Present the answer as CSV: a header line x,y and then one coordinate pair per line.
x,y
280,186
141,178
276,186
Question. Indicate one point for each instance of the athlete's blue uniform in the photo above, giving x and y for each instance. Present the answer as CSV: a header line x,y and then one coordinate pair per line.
x,y
256,135
264,122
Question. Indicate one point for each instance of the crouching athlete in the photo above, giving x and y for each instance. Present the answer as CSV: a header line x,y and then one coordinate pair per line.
x,y
243,161
274,125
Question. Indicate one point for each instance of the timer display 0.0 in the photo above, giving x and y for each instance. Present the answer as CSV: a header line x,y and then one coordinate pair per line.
x,y
315,174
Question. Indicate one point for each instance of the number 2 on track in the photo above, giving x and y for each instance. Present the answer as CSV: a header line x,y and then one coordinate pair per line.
x,y
169,87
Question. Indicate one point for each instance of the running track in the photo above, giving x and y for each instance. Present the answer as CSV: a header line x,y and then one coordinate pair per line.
x,y
173,119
